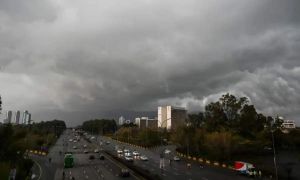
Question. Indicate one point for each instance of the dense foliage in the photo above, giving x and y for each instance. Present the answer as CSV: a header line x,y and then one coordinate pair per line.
x,y
15,140
142,137
231,129
102,126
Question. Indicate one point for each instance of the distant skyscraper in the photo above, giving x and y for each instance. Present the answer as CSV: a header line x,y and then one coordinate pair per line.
x,y
24,118
17,117
121,120
8,116
29,118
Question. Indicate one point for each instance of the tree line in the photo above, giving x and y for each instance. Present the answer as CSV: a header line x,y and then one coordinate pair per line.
x,y
16,139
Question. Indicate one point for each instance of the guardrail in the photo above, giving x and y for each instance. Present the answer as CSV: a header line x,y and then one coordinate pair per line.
x,y
204,160
37,152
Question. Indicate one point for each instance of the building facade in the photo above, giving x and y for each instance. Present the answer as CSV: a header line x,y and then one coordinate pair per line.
x,y
8,117
121,121
288,124
171,117
17,117
145,122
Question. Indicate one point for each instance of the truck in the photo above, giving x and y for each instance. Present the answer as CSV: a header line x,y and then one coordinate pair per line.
x,y
244,168
68,160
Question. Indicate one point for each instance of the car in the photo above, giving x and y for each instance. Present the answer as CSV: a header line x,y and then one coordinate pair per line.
x,y
85,151
74,147
85,146
126,151
176,158
144,158
96,151
127,154
70,140
167,151
119,151
128,158
135,153
74,141
107,142
101,157
91,157
124,173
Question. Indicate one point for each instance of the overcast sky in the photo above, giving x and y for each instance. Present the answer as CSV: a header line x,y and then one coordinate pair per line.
x,y
72,59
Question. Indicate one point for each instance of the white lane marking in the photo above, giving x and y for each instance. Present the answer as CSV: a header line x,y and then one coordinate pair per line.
x,y
41,171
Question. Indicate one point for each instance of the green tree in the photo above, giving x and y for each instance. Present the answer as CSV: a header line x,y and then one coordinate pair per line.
x,y
215,118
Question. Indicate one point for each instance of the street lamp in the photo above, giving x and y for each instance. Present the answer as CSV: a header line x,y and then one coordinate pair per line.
x,y
273,144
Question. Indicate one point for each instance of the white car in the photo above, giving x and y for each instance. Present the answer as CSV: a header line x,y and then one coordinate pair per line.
x,y
126,151
167,151
127,154
144,158
135,153
119,151
96,151
70,140
74,147
128,158
176,158
85,146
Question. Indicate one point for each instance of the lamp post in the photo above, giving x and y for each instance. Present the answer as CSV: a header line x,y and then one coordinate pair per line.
x,y
274,154
273,145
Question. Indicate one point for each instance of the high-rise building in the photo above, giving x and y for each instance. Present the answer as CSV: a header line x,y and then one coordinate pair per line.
x,y
170,117
24,118
29,118
145,122
8,116
17,117
121,120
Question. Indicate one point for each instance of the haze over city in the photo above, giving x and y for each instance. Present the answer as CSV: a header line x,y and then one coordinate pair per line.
x,y
76,60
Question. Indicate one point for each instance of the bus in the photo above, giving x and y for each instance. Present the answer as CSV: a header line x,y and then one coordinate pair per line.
x,y
68,160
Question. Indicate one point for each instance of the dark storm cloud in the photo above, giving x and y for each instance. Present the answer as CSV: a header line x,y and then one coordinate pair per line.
x,y
77,59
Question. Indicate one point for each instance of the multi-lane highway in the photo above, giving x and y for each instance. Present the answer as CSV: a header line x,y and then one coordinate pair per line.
x,y
175,170
84,168
95,169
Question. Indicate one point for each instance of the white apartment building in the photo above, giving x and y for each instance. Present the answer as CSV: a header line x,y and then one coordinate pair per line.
x,y
170,117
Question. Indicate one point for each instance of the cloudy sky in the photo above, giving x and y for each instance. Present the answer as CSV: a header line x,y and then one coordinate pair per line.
x,y
75,59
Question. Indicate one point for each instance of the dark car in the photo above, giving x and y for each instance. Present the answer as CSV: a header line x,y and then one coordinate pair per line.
x,y
124,173
101,157
91,157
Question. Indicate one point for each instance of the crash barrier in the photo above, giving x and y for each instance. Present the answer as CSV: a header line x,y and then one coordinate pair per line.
x,y
206,161
37,152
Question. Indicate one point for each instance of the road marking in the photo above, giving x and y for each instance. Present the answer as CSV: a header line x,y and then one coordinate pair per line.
x,y
41,171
